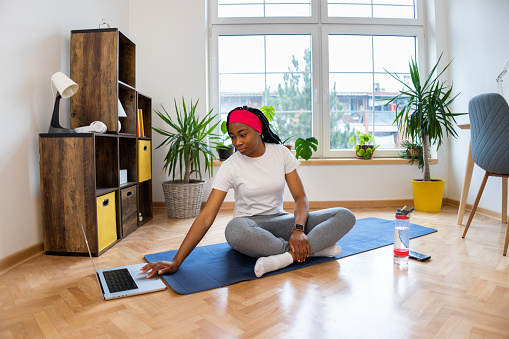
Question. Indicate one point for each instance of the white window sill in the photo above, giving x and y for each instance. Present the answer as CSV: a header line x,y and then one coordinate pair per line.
x,y
350,161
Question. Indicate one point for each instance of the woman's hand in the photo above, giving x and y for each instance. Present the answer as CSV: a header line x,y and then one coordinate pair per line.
x,y
160,267
299,244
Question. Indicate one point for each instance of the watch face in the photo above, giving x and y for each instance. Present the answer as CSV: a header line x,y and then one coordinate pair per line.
x,y
299,227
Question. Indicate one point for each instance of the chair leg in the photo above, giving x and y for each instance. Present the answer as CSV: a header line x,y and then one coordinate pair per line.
x,y
481,189
506,240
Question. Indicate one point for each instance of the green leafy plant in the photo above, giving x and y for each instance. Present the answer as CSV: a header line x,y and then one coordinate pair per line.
x,y
413,152
224,137
304,148
363,144
425,116
188,141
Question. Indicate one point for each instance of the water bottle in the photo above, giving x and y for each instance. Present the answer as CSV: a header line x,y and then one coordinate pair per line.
x,y
402,236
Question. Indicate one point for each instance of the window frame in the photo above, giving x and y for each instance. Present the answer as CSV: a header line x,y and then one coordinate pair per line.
x,y
318,26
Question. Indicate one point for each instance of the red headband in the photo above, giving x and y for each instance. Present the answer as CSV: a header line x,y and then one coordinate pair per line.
x,y
246,117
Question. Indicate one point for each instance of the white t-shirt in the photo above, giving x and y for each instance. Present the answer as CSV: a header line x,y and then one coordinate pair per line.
x,y
258,183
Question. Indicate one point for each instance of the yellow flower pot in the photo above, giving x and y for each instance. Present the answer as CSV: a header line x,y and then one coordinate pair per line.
x,y
428,195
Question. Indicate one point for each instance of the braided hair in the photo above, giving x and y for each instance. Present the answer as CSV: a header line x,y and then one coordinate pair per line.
x,y
268,135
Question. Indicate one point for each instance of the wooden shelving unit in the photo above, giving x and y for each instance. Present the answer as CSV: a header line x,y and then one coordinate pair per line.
x,y
80,173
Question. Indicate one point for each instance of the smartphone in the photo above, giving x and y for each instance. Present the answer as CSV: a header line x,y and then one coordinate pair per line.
x,y
419,256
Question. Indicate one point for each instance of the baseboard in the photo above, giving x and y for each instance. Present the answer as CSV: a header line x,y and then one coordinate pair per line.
x,y
18,258
480,210
230,205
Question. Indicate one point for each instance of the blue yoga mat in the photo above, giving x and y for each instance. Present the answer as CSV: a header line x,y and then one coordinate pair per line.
x,y
218,265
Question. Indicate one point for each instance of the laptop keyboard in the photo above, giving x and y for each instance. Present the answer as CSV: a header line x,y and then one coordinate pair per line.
x,y
119,280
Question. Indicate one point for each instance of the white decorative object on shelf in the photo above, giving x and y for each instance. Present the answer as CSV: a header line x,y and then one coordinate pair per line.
x,y
499,79
104,24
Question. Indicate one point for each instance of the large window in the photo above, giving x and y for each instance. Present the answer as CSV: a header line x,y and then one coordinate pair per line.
x,y
326,77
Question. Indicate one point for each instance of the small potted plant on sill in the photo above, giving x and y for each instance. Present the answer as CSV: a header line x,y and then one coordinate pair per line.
x,y
186,139
224,151
364,145
304,148
425,116
413,152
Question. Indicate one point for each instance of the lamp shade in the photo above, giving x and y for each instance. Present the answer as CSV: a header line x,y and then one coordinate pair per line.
x,y
65,86
121,111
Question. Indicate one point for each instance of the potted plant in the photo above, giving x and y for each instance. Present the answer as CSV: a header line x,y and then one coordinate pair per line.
x,y
304,148
224,151
364,145
413,152
187,144
425,116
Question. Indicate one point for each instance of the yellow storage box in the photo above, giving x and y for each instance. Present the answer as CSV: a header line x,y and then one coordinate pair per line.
x,y
106,220
144,160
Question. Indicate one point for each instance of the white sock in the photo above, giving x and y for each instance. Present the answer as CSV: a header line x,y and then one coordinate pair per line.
x,y
330,251
271,263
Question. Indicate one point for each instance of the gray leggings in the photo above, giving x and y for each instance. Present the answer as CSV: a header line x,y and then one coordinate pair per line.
x,y
264,235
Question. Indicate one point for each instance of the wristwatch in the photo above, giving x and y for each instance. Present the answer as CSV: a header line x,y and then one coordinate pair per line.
x,y
299,227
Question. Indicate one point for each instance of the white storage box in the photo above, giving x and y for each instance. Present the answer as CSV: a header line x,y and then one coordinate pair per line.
x,y
123,176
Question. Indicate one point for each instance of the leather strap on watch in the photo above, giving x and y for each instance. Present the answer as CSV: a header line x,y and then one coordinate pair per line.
x,y
299,227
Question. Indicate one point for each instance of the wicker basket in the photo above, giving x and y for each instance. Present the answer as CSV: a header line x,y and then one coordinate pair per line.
x,y
183,200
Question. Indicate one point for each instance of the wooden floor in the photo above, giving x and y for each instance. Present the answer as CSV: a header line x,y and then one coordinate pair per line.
x,y
462,292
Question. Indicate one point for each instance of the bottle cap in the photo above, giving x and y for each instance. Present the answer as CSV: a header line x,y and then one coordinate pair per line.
x,y
402,211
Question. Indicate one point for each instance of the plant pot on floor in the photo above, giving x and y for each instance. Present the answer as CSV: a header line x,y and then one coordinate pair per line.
x,y
183,200
428,194
224,152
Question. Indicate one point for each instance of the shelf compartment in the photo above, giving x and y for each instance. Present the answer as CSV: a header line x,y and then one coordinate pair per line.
x,y
128,159
127,98
106,220
126,60
106,162
93,66
145,104
129,208
144,160
145,202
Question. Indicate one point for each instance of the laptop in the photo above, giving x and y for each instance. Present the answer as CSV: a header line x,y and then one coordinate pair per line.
x,y
124,281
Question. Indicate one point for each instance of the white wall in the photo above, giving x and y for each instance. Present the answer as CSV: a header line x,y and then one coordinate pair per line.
x,y
479,43
171,61
35,38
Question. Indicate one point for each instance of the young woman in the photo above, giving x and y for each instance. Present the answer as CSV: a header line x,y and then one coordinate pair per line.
x,y
260,227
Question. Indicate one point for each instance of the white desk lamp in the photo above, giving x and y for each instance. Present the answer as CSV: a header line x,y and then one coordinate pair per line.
x,y
66,88
499,79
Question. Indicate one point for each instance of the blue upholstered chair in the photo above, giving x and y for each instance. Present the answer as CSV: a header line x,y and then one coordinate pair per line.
x,y
489,128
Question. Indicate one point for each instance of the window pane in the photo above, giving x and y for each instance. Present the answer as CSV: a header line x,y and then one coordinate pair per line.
x,y
282,10
393,53
260,8
392,2
358,94
241,54
286,52
399,12
402,9
240,89
351,83
240,11
350,53
349,11
275,72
